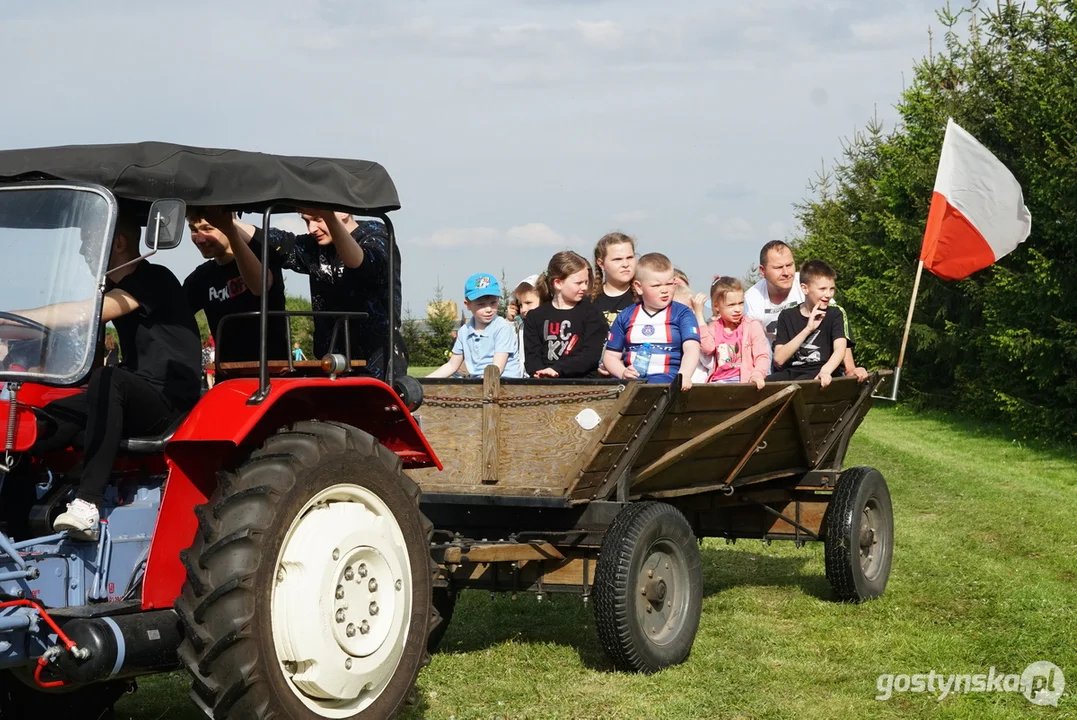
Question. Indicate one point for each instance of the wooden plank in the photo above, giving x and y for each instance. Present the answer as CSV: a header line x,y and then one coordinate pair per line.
x,y
759,439
277,364
502,552
705,398
803,422
673,427
690,447
727,445
491,414
612,417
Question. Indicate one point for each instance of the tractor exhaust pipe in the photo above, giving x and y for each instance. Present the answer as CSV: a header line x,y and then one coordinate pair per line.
x,y
121,646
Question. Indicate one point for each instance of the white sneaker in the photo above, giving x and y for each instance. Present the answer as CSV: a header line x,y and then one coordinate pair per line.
x,y
81,520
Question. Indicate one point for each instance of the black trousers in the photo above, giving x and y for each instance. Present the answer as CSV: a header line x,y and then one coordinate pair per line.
x,y
116,405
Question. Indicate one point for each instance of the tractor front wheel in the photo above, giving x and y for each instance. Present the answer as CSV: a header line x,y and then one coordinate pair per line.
x,y
308,588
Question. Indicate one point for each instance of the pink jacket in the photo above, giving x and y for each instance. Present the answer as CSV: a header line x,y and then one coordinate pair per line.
x,y
755,350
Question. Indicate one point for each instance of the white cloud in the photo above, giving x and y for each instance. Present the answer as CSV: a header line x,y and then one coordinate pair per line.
x,y
605,34
777,230
535,234
632,216
712,220
521,236
736,227
459,237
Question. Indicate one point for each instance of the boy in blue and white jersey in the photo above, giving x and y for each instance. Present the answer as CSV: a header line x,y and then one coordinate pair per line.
x,y
655,337
487,338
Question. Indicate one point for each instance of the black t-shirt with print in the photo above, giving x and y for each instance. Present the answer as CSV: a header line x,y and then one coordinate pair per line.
x,y
612,305
569,341
159,341
817,348
219,290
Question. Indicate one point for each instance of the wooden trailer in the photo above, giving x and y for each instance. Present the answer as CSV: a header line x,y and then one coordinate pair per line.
x,y
604,488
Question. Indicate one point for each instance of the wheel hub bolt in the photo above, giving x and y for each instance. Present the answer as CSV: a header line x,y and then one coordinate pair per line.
x,y
650,573
362,569
399,584
351,630
348,664
364,627
349,574
373,608
280,575
340,592
372,585
336,554
340,616
648,609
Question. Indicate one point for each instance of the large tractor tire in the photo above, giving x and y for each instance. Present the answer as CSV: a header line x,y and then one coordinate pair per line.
x,y
859,535
648,590
445,604
22,699
309,583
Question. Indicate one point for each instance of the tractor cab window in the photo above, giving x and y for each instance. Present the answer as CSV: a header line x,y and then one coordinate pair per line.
x,y
54,242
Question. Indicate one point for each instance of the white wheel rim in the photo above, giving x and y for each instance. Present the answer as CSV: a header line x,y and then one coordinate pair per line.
x,y
341,601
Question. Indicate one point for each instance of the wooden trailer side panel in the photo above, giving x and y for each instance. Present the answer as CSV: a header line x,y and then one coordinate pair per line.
x,y
536,432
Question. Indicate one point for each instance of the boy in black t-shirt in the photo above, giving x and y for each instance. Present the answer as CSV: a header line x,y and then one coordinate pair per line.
x,y
810,341
157,382
229,282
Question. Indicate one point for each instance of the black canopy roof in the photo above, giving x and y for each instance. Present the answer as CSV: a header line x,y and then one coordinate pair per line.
x,y
249,181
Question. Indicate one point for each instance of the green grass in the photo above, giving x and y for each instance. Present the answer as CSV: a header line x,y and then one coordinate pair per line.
x,y
421,370
984,575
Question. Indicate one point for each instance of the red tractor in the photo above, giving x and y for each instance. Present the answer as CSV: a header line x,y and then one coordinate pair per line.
x,y
269,541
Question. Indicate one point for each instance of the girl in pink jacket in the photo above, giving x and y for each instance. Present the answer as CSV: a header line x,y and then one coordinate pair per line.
x,y
737,344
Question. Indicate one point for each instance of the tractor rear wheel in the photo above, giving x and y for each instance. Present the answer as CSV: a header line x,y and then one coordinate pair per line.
x,y
648,591
859,535
309,583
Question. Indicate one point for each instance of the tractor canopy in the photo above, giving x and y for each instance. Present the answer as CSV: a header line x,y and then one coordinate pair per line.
x,y
246,181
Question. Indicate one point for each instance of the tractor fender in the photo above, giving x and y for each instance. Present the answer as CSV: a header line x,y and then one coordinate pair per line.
x,y
223,427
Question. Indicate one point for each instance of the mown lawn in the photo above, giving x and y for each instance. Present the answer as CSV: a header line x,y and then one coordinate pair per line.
x,y
984,575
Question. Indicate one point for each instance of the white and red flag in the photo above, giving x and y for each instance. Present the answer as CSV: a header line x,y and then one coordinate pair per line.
x,y
978,211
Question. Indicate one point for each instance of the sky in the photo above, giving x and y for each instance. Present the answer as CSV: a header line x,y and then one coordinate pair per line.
x,y
512,128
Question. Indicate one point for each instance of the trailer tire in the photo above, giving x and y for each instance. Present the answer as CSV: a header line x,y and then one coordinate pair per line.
x,y
21,700
280,616
445,604
648,590
859,535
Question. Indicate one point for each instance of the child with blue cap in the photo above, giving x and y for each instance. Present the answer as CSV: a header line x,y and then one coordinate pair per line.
x,y
487,338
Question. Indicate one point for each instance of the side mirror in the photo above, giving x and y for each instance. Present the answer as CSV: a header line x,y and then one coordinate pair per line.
x,y
164,226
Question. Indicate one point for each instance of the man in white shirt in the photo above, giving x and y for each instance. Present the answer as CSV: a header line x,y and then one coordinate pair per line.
x,y
780,289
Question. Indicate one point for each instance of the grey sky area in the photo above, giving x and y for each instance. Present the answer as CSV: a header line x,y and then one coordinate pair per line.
x,y
513,128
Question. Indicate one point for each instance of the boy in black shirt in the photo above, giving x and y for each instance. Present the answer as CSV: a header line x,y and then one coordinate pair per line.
x,y
810,341
157,382
230,282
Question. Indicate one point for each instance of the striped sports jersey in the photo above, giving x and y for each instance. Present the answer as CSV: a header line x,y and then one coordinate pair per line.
x,y
666,331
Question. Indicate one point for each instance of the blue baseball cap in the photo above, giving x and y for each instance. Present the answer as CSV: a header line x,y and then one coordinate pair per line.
x,y
480,285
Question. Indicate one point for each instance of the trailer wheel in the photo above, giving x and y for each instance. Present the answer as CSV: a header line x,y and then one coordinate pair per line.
x,y
445,604
859,536
21,699
308,588
648,589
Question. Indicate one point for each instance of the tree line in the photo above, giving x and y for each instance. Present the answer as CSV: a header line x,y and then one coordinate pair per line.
x,y
1002,344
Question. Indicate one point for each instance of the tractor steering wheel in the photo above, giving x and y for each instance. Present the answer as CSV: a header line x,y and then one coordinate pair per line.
x,y
44,330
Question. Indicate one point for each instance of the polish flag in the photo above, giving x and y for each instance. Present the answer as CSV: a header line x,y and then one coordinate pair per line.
x,y
978,211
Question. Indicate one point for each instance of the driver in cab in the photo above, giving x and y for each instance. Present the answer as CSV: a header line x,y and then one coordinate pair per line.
x,y
157,382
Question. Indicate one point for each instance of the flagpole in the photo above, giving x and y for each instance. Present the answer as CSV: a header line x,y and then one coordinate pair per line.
x,y
905,335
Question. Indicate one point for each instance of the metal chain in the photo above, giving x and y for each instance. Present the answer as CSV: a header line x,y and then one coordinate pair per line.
x,y
523,400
